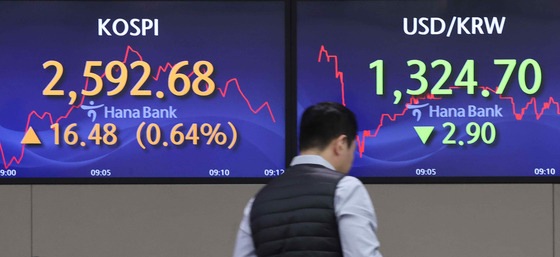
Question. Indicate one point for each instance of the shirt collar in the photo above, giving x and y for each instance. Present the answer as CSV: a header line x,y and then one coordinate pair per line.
x,y
311,159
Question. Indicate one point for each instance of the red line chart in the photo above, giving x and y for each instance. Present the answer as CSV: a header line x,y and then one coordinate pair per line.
x,y
416,99
160,69
337,73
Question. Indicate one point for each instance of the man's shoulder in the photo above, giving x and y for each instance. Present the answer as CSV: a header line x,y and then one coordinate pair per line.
x,y
313,169
348,182
302,177
351,180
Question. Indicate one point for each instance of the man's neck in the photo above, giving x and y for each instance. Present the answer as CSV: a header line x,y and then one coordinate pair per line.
x,y
324,154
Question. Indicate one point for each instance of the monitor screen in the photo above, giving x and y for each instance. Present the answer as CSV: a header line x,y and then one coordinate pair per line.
x,y
440,88
142,89
105,90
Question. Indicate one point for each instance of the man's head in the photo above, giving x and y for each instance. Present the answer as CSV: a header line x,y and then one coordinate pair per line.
x,y
329,129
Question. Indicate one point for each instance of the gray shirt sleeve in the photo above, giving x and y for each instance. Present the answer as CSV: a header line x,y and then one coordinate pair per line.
x,y
357,223
244,246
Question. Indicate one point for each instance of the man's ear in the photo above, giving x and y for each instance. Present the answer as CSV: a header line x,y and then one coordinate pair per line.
x,y
341,144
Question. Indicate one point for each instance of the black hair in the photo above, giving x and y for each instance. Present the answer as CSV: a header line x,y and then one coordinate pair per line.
x,y
323,122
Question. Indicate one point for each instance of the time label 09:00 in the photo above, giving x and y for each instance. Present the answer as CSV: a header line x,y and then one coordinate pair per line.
x,y
8,173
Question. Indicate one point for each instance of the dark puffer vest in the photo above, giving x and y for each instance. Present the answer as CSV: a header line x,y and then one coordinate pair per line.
x,y
294,214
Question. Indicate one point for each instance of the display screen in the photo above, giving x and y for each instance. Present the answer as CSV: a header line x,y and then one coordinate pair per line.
x,y
107,90
440,88
142,89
